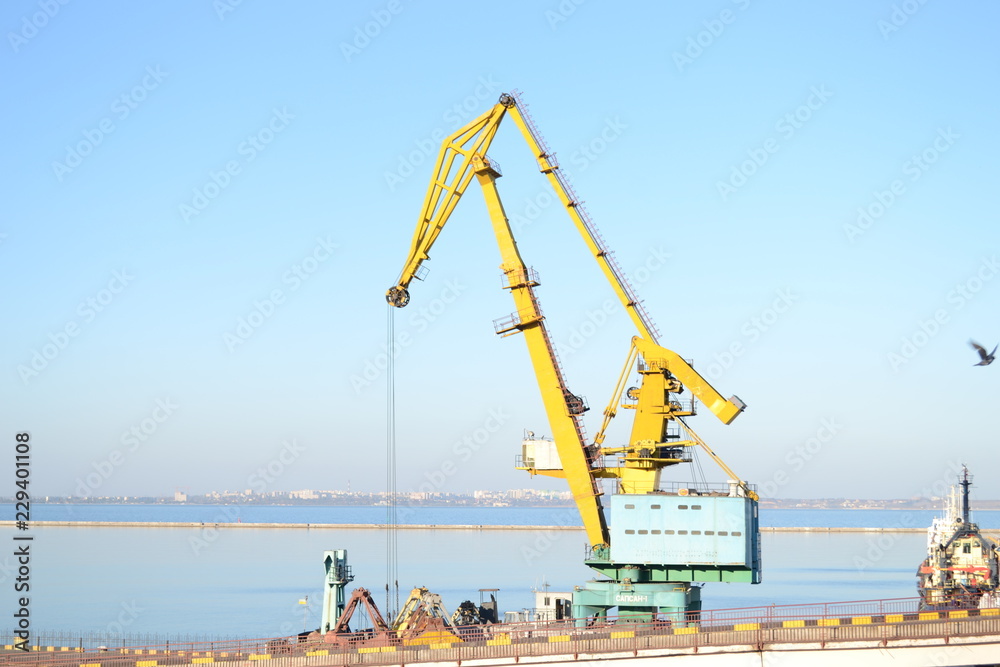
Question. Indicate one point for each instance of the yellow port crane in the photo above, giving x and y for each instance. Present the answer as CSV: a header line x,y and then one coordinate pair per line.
x,y
655,441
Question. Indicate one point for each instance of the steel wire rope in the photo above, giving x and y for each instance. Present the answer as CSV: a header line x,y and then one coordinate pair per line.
x,y
391,542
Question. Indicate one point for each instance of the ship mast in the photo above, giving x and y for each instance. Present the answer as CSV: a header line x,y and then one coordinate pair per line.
x,y
966,483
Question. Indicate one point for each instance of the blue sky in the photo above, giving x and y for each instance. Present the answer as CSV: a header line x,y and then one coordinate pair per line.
x,y
799,192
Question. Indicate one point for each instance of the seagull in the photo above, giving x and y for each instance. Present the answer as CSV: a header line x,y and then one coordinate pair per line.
x,y
984,359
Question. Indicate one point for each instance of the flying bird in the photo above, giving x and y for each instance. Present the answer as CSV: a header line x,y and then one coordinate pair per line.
x,y
984,358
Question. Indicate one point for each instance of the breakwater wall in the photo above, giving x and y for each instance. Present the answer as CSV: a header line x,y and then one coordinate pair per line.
x,y
375,526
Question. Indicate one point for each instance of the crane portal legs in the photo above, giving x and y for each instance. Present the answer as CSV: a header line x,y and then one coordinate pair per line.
x,y
676,602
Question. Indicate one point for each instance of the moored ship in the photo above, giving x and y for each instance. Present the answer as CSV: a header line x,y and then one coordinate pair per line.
x,y
961,568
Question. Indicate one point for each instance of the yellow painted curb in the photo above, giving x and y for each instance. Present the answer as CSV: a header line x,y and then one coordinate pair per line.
x,y
623,634
793,624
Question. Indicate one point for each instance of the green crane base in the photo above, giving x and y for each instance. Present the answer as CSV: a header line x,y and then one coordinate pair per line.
x,y
677,603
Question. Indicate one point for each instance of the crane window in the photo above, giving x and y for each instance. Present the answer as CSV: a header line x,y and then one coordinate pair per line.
x,y
736,533
723,533
696,532
654,507
682,532
655,532
682,507
643,532
696,507
630,532
630,507
668,532
710,532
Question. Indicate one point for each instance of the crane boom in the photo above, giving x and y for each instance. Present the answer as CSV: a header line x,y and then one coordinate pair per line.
x,y
548,165
462,156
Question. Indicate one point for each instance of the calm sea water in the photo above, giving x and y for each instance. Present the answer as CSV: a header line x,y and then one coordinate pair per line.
x,y
450,516
248,582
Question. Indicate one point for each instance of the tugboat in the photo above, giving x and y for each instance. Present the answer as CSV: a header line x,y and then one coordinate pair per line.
x,y
961,568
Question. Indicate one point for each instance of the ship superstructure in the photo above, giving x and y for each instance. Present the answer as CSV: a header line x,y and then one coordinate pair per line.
x,y
961,568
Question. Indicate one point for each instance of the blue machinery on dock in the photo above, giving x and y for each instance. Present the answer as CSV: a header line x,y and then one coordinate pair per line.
x,y
338,575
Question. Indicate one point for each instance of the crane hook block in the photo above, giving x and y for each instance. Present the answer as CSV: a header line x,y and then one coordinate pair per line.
x,y
398,296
